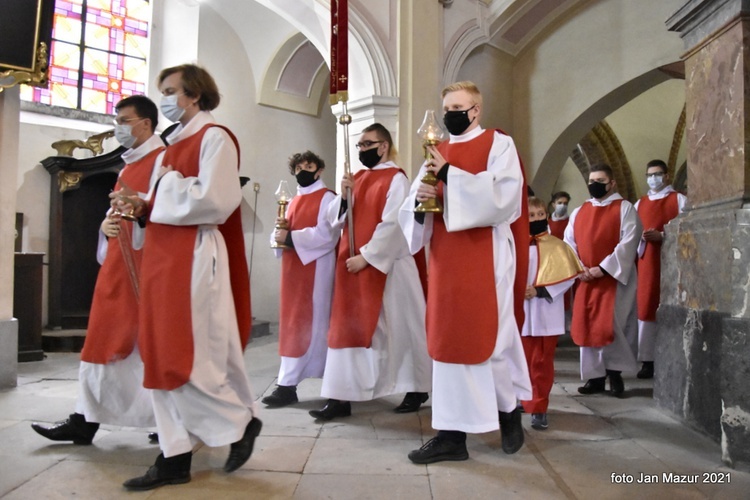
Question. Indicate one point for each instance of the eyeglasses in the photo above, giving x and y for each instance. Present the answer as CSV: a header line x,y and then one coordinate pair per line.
x,y
655,174
366,144
124,121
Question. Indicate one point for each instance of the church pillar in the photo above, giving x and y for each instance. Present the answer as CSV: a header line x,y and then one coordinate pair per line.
x,y
420,70
703,352
9,123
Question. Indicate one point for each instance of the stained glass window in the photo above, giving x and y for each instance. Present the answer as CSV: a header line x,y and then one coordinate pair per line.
x,y
98,55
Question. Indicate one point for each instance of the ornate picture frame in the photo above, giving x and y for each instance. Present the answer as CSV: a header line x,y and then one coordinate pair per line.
x,y
25,38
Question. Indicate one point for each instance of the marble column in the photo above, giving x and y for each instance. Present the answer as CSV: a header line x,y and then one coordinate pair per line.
x,y
703,353
9,125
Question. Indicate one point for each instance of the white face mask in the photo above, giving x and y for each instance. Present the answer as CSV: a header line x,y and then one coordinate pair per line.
x,y
124,135
561,210
170,109
655,182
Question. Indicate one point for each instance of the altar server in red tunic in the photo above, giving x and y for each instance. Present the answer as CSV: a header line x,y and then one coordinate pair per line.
x,y
195,291
558,221
656,209
110,377
553,267
376,341
604,232
479,368
559,217
307,266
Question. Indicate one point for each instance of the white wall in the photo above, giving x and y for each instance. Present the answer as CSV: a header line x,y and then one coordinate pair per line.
x,y
572,70
492,71
267,137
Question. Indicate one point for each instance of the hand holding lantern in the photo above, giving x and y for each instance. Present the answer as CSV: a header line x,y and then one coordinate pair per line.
x,y
283,197
432,134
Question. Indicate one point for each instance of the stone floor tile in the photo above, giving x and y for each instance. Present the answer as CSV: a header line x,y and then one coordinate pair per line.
x,y
290,421
609,469
241,484
271,453
72,479
573,426
363,456
17,469
363,487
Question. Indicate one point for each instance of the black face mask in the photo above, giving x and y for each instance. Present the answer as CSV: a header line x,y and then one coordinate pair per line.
x,y
306,178
537,227
457,121
370,157
598,190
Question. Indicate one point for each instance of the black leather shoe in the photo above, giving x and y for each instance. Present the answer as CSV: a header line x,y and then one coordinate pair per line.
x,y
74,428
411,403
283,395
172,470
539,421
616,385
333,408
593,385
512,431
153,437
647,370
439,449
242,449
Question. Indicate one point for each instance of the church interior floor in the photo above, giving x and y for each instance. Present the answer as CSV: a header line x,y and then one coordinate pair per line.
x,y
596,447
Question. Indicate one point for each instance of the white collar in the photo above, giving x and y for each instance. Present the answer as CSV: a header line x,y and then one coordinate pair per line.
x,y
606,201
133,155
657,195
384,165
315,186
194,125
473,134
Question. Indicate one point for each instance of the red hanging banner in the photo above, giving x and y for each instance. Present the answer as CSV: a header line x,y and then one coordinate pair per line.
x,y
339,51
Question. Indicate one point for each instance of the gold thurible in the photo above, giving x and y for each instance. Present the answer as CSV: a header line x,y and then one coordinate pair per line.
x,y
283,197
432,134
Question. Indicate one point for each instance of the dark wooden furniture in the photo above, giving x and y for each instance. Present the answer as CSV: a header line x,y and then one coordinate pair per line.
x,y
78,202
27,305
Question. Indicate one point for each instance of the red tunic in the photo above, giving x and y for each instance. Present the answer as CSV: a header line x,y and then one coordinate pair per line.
x,y
557,227
298,281
597,235
462,317
654,214
358,297
113,321
166,327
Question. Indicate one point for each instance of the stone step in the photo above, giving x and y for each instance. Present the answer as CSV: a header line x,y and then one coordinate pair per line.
x,y
72,340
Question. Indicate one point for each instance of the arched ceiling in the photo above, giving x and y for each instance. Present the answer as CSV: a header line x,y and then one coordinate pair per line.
x,y
515,23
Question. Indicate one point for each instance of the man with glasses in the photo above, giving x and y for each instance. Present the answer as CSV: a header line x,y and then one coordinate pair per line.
x,y
605,232
110,376
656,209
376,340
